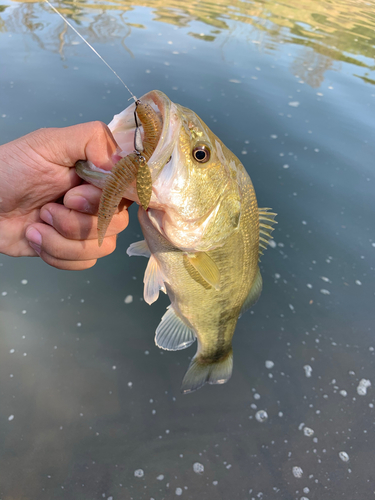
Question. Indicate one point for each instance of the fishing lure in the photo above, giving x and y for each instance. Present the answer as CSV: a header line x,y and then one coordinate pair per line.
x,y
131,167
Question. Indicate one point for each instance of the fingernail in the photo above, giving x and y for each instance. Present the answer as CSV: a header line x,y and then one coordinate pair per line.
x,y
46,216
76,202
34,238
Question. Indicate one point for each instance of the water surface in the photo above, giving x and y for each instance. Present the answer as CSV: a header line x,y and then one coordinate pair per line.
x,y
87,400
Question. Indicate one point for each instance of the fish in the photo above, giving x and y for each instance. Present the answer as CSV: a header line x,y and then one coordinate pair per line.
x,y
203,233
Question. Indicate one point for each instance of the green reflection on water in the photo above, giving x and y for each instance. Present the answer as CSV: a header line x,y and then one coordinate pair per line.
x,y
335,30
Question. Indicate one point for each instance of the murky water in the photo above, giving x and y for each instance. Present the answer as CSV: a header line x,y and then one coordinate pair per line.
x,y
90,407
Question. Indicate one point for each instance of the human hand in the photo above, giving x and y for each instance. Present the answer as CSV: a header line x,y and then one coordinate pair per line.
x,y
35,171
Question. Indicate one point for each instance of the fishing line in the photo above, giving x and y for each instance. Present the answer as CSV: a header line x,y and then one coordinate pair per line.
x,y
91,47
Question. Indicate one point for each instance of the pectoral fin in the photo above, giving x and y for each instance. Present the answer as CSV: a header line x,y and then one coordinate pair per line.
x,y
172,334
153,280
206,267
139,249
254,293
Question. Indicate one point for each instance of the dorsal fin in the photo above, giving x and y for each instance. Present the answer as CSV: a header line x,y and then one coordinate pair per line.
x,y
266,221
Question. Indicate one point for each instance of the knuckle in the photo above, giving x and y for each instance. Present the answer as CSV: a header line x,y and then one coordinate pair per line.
x,y
100,129
67,227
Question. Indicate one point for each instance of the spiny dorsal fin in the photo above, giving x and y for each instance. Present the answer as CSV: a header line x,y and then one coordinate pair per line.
x,y
206,267
266,221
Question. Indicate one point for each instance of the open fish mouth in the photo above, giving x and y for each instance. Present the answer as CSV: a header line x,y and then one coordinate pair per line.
x,y
145,133
123,128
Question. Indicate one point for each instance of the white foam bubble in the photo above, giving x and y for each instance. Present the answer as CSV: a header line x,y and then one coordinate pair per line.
x,y
261,416
297,472
139,473
308,432
198,468
344,456
363,385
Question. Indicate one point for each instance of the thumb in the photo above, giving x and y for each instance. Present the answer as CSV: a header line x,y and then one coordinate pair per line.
x,y
91,141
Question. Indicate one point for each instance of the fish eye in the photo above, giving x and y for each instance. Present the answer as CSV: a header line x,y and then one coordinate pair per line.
x,y
201,153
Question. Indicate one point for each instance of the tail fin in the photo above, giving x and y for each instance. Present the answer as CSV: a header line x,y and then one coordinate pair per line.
x,y
201,372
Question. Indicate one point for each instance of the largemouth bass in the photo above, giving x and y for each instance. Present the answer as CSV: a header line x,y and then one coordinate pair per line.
x,y
203,230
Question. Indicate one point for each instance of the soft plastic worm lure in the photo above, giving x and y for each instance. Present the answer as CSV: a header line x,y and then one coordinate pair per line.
x,y
132,167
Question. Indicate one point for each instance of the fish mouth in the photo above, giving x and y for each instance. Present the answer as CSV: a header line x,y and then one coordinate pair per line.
x,y
123,128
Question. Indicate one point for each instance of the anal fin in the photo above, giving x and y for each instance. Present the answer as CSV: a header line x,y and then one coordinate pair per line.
x,y
206,267
172,334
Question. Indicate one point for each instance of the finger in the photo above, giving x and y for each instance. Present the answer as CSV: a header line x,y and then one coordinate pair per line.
x,y
74,225
44,239
86,198
67,265
86,141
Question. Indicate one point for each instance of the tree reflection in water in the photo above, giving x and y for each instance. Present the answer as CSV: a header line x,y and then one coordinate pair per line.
x,y
334,31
